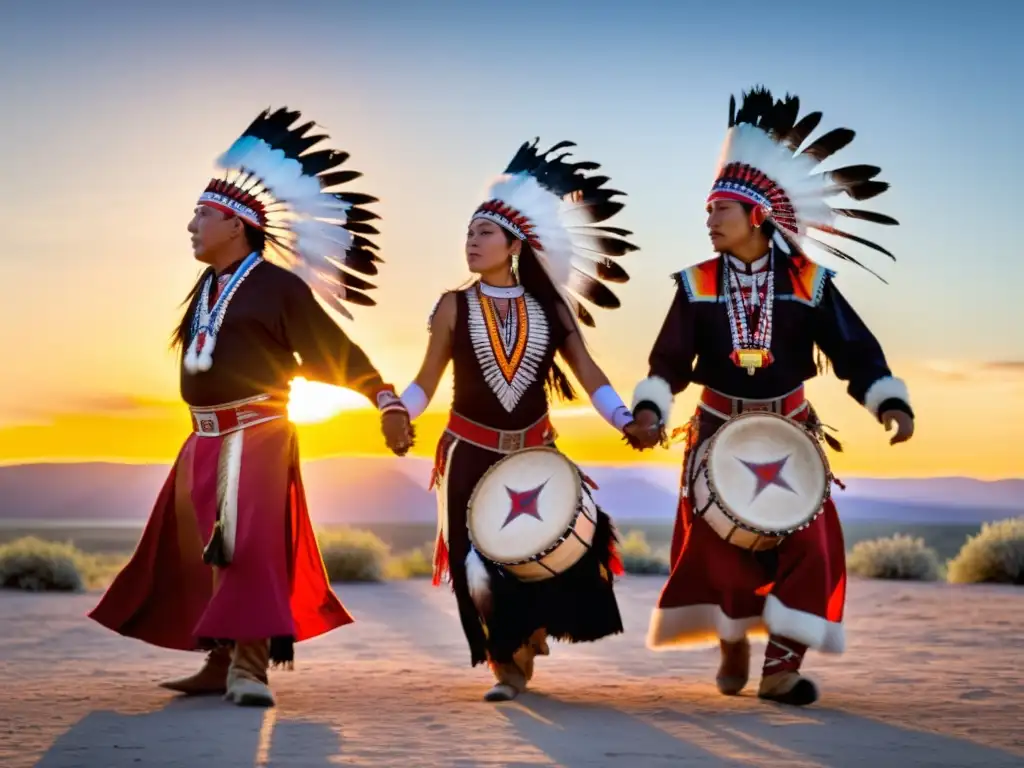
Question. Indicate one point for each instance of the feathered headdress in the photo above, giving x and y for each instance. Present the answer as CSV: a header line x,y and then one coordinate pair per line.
x,y
548,203
760,164
273,182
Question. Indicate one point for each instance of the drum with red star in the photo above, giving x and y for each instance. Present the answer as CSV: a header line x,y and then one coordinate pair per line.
x,y
759,478
532,514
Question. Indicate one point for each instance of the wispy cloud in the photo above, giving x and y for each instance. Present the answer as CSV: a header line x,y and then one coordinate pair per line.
x,y
25,417
115,405
959,370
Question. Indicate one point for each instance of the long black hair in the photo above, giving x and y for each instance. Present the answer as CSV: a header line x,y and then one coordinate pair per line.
x,y
256,239
536,282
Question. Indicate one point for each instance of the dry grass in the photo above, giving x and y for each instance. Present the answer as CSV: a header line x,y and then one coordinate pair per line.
x,y
897,557
36,565
354,554
40,560
639,557
995,554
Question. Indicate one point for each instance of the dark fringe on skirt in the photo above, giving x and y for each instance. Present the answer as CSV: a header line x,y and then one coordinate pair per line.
x,y
282,651
576,606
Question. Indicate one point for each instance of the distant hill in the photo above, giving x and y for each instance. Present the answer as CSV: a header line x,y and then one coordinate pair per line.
x,y
374,489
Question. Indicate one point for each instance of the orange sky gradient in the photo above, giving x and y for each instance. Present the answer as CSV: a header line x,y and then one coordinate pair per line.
x,y
117,122
952,439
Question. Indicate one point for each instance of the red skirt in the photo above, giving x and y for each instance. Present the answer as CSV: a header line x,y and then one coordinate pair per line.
x,y
276,584
717,590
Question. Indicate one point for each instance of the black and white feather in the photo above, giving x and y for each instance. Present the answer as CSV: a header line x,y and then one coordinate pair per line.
x,y
563,214
762,161
313,229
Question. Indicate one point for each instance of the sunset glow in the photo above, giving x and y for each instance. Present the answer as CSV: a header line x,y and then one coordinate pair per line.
x,y
312,402
96,261
335,421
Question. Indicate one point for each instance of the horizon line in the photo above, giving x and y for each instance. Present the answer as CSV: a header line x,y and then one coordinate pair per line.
x,y
380,456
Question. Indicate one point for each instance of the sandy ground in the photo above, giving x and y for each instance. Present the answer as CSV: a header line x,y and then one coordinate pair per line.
x,y
932,677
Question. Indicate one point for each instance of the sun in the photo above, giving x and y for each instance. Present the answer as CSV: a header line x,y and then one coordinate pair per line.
x,y
311,402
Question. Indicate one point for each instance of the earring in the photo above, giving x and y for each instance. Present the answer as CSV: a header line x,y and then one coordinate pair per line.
x,y
515,267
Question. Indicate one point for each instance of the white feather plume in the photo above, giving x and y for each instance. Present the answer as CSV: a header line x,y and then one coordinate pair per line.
x,y
551,219
764,137
807,190
307,228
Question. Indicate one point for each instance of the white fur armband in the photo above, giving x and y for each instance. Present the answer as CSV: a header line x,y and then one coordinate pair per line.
x,y
415,400
656,390
886,388
607,402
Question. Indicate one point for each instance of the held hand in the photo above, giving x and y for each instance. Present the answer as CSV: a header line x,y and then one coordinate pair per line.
x,y
398,432
644,431
904,425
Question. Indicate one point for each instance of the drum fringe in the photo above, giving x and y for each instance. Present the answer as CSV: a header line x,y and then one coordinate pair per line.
x,y
479,581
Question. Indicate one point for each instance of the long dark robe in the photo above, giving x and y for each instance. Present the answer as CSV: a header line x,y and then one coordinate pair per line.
x,y
276,585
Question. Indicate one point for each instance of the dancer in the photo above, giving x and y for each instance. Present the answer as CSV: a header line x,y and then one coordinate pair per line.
x,y
501,334
750,318
228,561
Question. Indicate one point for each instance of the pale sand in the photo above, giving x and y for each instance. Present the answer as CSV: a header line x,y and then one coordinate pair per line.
x,y
932,677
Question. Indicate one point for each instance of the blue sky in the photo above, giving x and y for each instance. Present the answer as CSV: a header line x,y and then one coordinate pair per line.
x,y
113,113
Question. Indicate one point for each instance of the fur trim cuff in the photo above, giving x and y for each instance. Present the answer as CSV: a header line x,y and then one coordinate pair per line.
x,y
813,631
656,390
885,388
698,626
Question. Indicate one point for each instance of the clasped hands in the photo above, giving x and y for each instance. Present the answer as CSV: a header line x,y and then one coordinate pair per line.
x,y
399,433
644,431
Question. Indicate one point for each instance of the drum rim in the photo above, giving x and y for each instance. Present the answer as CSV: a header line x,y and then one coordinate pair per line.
x,y
541,555
704,466
565,534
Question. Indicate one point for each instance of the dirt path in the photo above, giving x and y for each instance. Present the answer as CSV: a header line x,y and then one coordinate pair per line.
x,y
932,677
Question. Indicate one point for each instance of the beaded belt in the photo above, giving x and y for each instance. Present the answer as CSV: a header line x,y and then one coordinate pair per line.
x,y
725,406
541,432
216,420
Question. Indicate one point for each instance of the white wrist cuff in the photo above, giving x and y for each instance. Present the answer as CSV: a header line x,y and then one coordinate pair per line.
x,y
415,400
885,388
608,403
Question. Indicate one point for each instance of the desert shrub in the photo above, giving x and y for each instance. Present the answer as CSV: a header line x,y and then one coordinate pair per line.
x,y
994,554
97,571
351,554
36,565
414,564
638,557
897,557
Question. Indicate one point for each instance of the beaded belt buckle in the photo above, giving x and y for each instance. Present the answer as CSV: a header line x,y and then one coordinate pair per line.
x,y
206,422
757,406
510,441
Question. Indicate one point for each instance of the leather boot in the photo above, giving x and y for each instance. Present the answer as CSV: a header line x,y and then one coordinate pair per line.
x,y
511,680
536,646
211,679
247,678
734,670
513,677
781,680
